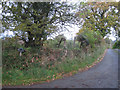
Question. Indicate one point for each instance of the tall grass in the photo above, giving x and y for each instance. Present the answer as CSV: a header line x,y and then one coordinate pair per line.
x,y
45,65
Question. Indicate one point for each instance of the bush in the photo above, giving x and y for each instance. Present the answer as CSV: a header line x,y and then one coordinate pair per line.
x,y
51,43
116,45
38,64
94,37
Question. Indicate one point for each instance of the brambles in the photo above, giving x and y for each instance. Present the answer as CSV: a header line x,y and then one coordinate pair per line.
x,y
44,63
37,65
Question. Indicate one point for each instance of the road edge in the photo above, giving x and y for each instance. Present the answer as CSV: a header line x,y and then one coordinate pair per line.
x,y
98,60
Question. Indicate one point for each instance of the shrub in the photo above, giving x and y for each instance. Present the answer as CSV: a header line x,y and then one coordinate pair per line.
x,y
94,37
42,64
116,45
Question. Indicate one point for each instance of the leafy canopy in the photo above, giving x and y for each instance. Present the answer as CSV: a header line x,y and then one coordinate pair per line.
x,y
99,16
35,21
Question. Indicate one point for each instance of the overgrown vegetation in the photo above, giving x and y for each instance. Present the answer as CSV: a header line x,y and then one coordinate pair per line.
x,y
93,37
46,63
46,59
116,45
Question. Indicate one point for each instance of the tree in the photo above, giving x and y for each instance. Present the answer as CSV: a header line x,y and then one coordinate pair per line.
x,y
100,16
82,39
89,37
34,21
60,38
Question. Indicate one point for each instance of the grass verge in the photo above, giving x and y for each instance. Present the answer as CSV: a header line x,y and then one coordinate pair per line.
x,y
36,74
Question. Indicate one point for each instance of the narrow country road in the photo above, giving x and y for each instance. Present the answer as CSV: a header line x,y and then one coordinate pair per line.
x,y
102,75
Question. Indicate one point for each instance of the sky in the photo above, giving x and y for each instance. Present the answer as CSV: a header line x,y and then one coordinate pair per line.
x,y
69,35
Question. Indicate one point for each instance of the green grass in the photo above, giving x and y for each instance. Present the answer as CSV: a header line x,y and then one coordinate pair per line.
x,y
37,73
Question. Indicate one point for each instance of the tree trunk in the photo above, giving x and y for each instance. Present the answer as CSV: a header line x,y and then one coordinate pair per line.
x,y
74,41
